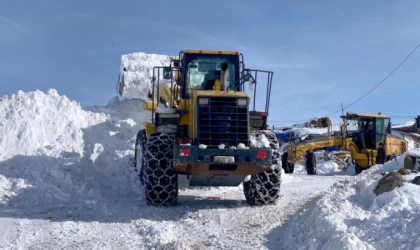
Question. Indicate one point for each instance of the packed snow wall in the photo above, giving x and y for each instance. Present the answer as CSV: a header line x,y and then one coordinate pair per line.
x,y
53,151
136,72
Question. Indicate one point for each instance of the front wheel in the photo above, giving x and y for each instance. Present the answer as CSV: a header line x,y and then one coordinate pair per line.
x,y
160,176
264,188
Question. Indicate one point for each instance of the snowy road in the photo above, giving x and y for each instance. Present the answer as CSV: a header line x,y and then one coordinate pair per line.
x,y
216,218
66,182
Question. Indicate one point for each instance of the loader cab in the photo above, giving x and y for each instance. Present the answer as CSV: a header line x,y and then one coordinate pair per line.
x,y
202,69
198,77
367,131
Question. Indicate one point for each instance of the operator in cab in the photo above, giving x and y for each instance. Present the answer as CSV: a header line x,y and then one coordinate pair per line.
x,y
368,134
380,157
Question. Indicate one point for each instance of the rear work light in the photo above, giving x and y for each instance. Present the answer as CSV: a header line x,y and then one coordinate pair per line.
x,y
184,152
184,141
261,154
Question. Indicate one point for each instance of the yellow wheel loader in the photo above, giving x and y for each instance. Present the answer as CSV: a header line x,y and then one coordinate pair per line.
x,y
204,126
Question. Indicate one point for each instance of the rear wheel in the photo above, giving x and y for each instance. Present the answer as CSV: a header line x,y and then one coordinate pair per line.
x,y
358,169
160,176
264,188
291,167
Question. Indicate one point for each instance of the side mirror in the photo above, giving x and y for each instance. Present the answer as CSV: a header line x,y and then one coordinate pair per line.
x,y
251,83
247,75
167,73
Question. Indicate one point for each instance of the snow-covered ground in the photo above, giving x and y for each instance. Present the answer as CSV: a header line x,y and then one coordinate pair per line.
x,y
66,181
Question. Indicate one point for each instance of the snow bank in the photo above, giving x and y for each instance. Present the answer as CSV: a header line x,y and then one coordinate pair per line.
x,y
54,152
136,72
299,130
351,216
41,121
403,125
414,152
326,168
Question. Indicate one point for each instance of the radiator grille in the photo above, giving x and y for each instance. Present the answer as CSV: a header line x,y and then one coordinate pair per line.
x,y
222,121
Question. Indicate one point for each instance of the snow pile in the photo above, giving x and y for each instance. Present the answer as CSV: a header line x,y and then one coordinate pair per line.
x,y
351,216
300,130
414,152
326,167
35,121
136,72
260,141
54,153
404,125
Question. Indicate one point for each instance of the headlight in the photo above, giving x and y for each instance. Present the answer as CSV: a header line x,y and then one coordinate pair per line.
x,y
203,101
242,102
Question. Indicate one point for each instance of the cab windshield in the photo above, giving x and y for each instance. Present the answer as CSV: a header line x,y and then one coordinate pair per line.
x,y
372,129
203,71
353,125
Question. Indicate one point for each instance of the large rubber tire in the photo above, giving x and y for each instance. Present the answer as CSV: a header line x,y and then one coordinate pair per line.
x,y
160,176
264,188
357,169
139,154
291,168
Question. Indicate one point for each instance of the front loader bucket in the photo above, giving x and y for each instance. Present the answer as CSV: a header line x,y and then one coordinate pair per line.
x,y
136,71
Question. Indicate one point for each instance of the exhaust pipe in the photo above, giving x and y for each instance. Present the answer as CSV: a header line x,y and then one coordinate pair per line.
x,y
223,77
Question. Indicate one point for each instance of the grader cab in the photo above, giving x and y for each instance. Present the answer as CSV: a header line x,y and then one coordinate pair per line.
x,y
365,133
203,126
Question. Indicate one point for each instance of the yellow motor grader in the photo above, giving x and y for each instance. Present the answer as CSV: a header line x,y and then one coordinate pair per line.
x,y
359,138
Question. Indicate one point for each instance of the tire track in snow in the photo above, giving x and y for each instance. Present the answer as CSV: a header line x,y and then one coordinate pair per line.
x,y
215,218
229,223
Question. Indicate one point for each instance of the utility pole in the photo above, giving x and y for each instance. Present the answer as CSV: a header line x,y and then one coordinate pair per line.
x,y
342,109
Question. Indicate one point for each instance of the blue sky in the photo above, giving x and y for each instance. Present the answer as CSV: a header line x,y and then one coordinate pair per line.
x,y
322,52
